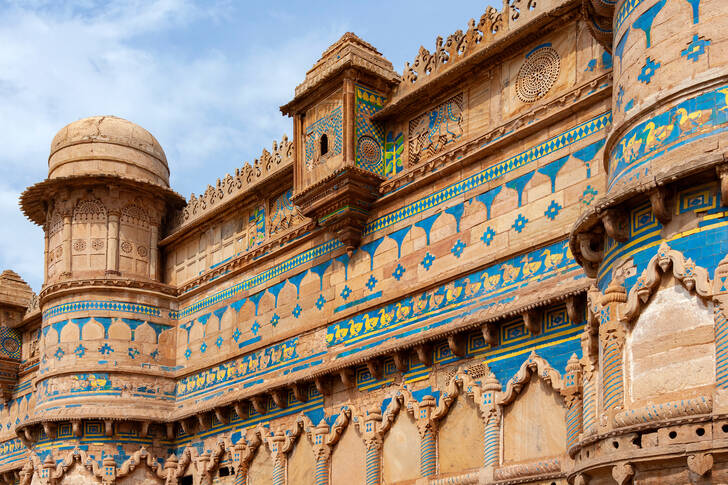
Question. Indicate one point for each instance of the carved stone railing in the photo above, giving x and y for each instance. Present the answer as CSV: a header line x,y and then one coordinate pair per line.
x,y
493,25
270,164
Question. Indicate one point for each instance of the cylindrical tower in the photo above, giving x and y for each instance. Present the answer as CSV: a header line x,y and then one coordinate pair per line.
x,y
107,345
655,239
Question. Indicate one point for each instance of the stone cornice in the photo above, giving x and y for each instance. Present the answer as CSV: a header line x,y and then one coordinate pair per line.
x,y
62,288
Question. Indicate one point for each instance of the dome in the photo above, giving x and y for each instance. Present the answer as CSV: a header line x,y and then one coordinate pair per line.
x,y
107,145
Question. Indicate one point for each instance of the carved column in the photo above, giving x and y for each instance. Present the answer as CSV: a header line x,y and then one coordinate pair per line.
x,y
322,452
611,340
202,466
241,477
373,442
279,458
348,127
572,397
66,245
588,402
427,428
112,243
153,252
492,415
45,254
720,300
170,467
109,470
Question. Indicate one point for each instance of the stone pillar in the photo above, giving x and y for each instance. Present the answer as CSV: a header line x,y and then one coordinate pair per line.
x,y
66,245
373,461
348,128
588,403
492,415
241,477
279,458
153,252
373,443
109,470
428,444
611,341
202,469
572,396
170,467
322,452
45,255
112,243
720,300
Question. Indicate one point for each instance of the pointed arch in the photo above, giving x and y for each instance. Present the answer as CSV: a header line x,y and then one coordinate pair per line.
x,y
536,365
693,277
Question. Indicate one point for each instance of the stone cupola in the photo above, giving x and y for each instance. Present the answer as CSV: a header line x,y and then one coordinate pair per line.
x,y
339,149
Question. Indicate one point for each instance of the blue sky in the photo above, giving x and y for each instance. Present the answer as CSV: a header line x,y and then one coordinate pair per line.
x,y
206,78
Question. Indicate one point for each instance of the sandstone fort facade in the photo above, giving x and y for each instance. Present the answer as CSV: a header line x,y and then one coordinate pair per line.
x,y
506,264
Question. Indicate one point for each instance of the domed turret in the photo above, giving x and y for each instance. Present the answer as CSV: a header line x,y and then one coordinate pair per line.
x,y
107,145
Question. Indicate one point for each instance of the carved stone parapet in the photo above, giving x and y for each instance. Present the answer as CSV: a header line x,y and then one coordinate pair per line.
x,y
539,468
663,411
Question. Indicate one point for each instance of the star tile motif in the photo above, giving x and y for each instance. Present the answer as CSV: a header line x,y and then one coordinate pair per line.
x,y
427,261
255,327
648,70
553,210
398,272
275,319
59,353
105,349
297,310
488,236
371,283
320,302
519,223
133,352
695,48
203,347
188,354
80,351
236,334
458,248
219,341
345,292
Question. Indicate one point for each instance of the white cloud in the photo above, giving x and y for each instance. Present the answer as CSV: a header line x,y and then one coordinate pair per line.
x,y
210,109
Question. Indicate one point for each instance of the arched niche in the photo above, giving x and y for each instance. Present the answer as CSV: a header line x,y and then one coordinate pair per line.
x,y
401,450
140,476
260,471
348,461
670,348
78,475
534,422
460,436
301,462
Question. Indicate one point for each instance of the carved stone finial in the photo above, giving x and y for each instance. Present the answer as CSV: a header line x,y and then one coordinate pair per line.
x,y
615,292
573,365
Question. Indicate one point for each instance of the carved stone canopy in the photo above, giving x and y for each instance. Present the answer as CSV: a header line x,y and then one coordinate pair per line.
x,y
341,202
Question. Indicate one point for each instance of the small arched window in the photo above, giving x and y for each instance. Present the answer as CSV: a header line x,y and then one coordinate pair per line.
x,y
324,144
